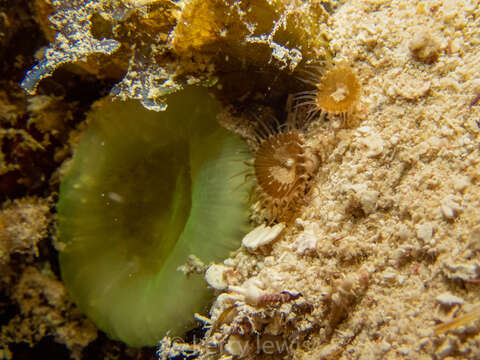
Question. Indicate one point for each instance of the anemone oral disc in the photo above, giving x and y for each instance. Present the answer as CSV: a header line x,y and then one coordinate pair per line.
x,y
145,190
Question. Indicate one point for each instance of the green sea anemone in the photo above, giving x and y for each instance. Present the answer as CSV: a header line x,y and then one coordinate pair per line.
x,y
143,192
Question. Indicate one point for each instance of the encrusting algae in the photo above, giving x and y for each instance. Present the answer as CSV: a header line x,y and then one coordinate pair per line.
x,y
156,47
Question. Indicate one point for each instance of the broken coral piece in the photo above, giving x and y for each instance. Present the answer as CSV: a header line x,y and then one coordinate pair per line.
x,y
262,235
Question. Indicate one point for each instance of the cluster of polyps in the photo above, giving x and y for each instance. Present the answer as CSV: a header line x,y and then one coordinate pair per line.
x,y
284,163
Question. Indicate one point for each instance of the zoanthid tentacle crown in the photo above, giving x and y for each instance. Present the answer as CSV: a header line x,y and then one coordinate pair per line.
x,y
284,167
337,91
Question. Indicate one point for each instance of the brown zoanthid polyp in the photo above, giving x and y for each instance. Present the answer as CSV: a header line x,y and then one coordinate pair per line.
x,y
337,91
284,166
285,163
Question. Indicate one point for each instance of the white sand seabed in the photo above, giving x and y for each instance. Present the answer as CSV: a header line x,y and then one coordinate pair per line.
x,y
390,246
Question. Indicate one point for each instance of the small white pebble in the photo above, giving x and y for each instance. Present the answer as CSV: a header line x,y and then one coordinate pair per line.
x,y
403,350
364,129
461,271
390,91
389,275
404,232
425,232
229,262
215,276
374,144
447,211
250,289
262,235
449,299
368,200
401,279
307,240
460,183
450,207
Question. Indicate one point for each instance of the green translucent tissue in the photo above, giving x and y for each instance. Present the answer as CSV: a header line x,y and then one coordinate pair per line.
x,y
144,191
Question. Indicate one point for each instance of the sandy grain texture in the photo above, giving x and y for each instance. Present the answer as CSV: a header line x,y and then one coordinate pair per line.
x,y
389,247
